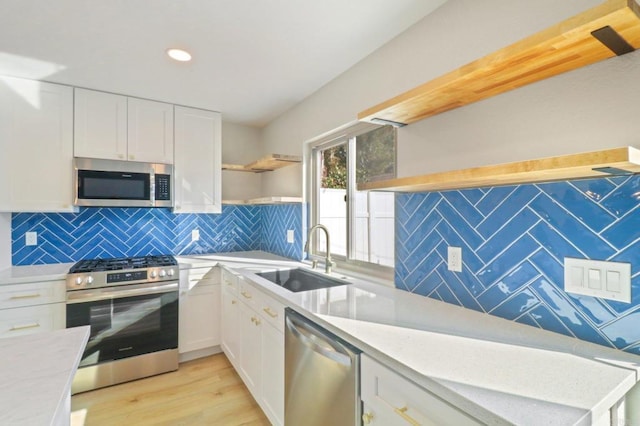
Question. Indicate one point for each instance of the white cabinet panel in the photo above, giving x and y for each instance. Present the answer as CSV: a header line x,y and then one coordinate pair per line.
x,y
149,131
199,312
100,125
250,349
272,394
390,399
32,319
253,340
197,161
30,294
36,141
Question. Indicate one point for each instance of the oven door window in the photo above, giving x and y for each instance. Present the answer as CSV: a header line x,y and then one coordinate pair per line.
x,y
126,327
99,185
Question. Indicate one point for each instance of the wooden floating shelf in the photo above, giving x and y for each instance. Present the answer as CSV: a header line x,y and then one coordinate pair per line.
x,y
611,162
265,164
615,25
264,200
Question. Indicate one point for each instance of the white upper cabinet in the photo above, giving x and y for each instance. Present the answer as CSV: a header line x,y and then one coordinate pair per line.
x,y
116,127
36,145
100,125
150,131
197,161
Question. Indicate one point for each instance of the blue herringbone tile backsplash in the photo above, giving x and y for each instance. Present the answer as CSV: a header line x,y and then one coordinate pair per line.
x,y
514,240
121,232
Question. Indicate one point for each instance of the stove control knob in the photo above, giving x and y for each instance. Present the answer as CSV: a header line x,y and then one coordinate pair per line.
x,y
163,273
89,280
78,281
153,274
170,272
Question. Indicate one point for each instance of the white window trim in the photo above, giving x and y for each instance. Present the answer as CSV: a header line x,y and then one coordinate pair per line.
x,y
347,133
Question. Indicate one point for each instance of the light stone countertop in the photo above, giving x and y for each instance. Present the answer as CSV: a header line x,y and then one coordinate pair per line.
x,y
37,371
34,273
497,370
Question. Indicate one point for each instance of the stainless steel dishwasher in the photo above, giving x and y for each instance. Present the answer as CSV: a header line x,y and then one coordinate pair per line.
x,y
322,375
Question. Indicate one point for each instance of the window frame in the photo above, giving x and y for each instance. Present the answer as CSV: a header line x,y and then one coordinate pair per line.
x,y
312,176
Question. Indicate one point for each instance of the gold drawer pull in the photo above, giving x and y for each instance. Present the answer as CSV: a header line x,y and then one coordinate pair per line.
x,y
269,312
24,327
402,412
245,294
367,418
233,302
255,320
25,296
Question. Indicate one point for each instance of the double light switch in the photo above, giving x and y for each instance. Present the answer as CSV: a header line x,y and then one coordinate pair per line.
x,y
608,280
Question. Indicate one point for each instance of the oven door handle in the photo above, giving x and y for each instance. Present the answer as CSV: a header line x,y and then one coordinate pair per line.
x,y
82,296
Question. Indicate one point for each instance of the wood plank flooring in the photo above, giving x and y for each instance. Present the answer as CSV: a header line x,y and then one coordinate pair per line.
x,y
205,391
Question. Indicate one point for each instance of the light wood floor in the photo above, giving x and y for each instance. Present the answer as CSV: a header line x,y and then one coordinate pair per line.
x,y
205,391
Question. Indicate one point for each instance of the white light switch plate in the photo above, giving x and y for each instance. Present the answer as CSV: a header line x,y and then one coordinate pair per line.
x,y
195,235
597,278
290,236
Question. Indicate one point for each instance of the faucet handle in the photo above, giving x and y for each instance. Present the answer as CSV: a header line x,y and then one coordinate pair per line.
x,y
314,264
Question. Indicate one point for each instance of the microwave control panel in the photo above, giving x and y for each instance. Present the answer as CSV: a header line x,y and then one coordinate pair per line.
x,y
163,187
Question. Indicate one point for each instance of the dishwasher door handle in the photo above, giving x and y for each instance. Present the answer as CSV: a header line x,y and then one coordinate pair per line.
x,y
313,338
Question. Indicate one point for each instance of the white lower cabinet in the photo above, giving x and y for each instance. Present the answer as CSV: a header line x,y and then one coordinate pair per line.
x,y
199,310
253,340
390,399
32,307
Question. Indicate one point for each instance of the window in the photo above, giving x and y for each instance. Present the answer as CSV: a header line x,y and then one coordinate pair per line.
x,y
360,223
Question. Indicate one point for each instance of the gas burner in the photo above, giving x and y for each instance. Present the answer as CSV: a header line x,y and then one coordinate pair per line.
x,y
124,263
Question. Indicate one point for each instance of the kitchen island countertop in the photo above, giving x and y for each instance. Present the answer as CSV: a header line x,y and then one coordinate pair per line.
x,y
37,371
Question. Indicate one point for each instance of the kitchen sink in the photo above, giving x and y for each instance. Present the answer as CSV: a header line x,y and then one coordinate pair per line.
x,y
299,279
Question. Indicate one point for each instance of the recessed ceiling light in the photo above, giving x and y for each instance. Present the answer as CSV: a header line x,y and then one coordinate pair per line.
x,y
179,55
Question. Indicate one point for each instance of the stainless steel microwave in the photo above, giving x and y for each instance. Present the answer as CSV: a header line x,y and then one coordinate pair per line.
x,y
114,183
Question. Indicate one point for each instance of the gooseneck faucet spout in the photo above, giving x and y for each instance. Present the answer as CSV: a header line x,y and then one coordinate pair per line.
x,y
328,262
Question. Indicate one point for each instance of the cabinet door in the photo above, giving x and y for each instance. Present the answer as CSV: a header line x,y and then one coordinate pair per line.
x,y
149,131
273,373
231,327
250,349
32,319
197,161
100,125
199,318
36,141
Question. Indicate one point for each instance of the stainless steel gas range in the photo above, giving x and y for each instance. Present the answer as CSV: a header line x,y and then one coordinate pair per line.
x,y
131,305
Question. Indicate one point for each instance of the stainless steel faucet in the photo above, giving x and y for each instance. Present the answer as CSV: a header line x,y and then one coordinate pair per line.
x,y
328,262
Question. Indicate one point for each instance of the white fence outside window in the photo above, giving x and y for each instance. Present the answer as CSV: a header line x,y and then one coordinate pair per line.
x,y
374,225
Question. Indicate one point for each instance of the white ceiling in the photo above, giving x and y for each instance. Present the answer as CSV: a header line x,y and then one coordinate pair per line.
x,y
253,59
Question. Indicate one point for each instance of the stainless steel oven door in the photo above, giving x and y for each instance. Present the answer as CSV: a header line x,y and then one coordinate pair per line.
x,y
125,321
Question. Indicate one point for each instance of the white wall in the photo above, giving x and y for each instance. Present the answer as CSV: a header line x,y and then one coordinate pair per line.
x,y
587,109
240,145
5,240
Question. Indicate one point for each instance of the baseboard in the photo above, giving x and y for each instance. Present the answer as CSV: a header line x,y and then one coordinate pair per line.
x,y
200,353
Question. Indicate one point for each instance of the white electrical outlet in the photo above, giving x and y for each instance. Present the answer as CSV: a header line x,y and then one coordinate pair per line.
x,y
31,238
454,259
195,235
290,236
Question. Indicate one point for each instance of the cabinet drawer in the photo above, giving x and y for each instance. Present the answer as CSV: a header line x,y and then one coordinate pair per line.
x,y
401,402
17,295
272,311
249,294
229,281
200,277
32,319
